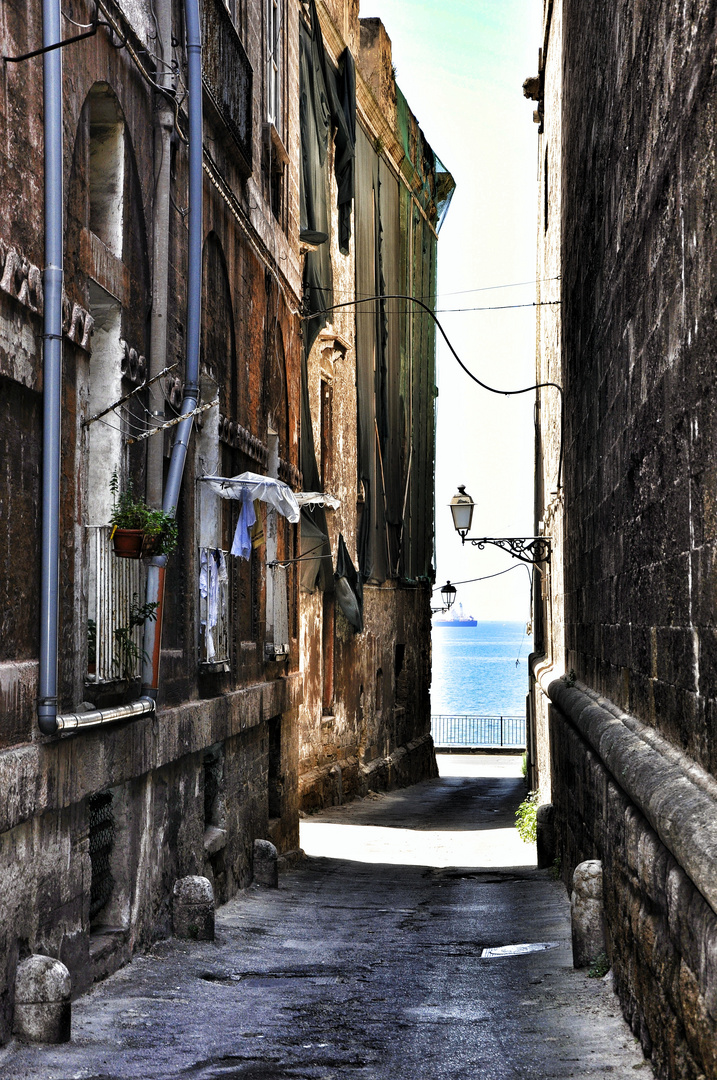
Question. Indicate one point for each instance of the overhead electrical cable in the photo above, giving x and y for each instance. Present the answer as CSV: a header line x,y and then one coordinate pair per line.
x,y
470,581
469,373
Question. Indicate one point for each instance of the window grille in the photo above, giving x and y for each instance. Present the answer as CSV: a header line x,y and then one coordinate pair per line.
x,y
115,586
213,606
102,834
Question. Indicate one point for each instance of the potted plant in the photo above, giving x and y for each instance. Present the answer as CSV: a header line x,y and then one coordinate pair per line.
x,y
138,530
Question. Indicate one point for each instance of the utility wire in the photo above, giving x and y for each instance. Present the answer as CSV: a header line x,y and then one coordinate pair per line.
x,y
490,288
460,292
469,373
501,307
469,581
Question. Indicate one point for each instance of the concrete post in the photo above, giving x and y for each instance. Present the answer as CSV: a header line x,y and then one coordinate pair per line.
x,y
42,1000
266,870
193,908
545,835
586,913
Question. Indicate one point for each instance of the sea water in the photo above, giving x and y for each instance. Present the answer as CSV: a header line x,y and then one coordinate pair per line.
x,y
475,670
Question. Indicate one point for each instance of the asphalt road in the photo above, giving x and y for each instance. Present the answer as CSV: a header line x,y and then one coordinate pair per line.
x,y
367,963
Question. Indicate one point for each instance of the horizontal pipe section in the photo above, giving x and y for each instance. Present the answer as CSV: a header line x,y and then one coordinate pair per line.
x,y
145,706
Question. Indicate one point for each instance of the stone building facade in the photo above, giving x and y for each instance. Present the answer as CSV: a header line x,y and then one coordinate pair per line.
x,y
365,715
177,706
624,687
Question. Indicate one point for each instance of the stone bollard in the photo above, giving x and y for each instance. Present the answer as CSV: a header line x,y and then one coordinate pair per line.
x,y
193,908
586,913
42,1000
266,870
545,835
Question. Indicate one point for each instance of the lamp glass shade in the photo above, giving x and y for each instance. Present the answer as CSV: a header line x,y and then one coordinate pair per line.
x,y
448,593
462,510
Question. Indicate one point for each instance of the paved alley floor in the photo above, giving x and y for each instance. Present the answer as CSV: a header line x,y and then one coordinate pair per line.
x,y
368,962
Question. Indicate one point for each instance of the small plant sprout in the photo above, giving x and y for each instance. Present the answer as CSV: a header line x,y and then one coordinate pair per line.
x,y
599,966
128,652
526,818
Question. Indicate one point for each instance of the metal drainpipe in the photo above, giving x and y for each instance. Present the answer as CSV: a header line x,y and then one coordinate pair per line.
x,y
163,127
73,721
157,567
52,370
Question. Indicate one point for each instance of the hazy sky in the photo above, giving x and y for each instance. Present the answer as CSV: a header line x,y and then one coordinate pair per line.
x,y
461,65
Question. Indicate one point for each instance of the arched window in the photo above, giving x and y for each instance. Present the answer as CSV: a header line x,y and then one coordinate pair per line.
x,y
108,272
106,232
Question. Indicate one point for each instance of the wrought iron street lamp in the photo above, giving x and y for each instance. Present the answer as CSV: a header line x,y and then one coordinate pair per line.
x,y
529,549
448,596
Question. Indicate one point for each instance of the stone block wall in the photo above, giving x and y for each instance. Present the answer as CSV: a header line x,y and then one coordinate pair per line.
x,y
638,281
632,104
621,794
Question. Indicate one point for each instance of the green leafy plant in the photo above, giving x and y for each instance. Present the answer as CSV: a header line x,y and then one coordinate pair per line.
x,y
129,511
556,869
525,818
127,651
524,765
599,966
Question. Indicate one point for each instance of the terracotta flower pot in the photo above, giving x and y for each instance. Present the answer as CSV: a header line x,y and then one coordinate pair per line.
x,y
127,543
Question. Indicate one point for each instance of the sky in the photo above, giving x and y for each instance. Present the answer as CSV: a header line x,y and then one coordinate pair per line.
x,y
461,65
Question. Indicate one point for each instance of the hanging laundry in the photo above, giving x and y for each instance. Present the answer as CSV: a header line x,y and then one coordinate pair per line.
x,y
213,575
241,545
266,488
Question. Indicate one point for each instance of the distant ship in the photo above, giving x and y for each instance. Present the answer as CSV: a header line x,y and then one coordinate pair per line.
x,y
455,618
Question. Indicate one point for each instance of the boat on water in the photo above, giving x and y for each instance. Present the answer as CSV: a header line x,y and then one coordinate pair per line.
x,y
455,618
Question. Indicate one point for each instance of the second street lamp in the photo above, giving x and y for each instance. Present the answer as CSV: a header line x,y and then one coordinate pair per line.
x,y
448,596
529,549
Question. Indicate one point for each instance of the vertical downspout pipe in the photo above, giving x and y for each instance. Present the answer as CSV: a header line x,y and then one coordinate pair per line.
x,y
156,570
163,127
52,370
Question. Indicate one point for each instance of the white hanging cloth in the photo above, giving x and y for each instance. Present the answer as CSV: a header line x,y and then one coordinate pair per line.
x,y
317,498
253,486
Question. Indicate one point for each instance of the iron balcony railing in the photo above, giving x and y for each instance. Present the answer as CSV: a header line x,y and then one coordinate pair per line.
x,y
116,586
471,731
227,77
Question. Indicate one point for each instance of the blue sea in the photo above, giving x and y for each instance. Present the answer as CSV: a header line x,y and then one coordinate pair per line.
x,y
475,670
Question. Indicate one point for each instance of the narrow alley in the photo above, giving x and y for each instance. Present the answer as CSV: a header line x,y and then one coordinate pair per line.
x,y
367,962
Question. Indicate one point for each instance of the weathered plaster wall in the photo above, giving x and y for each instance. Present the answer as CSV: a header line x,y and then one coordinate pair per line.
x,y
365,717
378,736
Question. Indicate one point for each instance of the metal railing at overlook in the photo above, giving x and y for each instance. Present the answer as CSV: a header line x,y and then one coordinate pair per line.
x,y
461,730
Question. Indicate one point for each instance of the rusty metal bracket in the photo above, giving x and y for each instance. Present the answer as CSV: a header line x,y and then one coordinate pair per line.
x,y
59,44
